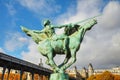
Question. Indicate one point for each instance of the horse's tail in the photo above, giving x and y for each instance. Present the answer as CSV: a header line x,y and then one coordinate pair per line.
x,y
37,37
27,31
30,33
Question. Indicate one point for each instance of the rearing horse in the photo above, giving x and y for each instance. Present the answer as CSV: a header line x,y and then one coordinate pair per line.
x,y
49,47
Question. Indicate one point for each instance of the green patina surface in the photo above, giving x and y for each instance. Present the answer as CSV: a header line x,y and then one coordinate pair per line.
x,y
68,43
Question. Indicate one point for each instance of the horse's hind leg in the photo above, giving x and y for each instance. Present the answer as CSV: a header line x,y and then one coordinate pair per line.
x,y
52,63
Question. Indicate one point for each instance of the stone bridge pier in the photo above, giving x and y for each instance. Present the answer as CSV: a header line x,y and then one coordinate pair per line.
x,y
5,74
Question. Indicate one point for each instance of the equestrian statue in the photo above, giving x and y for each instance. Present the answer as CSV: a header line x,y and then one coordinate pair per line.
x,y
68,43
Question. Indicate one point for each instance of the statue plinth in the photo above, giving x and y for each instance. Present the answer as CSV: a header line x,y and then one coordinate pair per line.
x,y
59,76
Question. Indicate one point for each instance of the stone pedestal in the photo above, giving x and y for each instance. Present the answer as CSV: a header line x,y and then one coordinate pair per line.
x,y
59,76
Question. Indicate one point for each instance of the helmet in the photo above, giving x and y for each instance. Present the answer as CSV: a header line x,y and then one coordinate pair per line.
x,y
46,22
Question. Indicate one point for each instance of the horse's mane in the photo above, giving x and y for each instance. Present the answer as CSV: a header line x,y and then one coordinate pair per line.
x,y
69,31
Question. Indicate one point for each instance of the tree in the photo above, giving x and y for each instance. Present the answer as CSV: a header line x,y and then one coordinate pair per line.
x,y
92,77
104,76
116,77
107,76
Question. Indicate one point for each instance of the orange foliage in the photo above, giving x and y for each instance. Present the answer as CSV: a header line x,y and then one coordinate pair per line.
x,y
36,77
107,76
92,77
13,76
16,76
116,77
104,76
0,76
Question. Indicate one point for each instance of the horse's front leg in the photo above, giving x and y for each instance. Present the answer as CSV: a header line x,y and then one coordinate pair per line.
x,y
72,60
64,63
65,60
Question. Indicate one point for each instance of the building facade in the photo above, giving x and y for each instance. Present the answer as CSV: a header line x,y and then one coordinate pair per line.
x,y
85,73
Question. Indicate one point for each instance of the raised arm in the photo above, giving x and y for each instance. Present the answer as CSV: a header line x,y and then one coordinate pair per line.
x,y
66,25
58,26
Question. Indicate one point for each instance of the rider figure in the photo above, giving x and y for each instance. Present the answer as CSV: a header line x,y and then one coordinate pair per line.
x,y
49,30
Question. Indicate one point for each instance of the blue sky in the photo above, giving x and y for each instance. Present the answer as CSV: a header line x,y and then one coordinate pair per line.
x,y
13,14
99,43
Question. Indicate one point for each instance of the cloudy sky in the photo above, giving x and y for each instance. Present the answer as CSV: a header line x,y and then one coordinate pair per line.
x,y
101,45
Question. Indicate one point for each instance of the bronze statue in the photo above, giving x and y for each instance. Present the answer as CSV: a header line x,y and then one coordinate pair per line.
x,y
68,43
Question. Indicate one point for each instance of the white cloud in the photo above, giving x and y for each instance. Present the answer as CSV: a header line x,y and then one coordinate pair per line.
x,y
22,39
42,7
32,55
116,40
89,9
32,52
2,50
11,9
102,50
14,41
99,44
110,16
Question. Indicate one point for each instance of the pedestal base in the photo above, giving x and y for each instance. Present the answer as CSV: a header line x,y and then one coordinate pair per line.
x,y
59,76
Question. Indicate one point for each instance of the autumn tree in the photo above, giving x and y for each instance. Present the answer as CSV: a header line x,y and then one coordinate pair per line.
x,y
116,77
104,76
107,76
92,77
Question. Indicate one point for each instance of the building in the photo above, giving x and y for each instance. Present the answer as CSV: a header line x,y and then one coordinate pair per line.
x,y
90,70
85,73
114,70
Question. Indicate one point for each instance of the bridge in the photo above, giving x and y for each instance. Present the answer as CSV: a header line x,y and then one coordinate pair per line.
x,y
9,62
